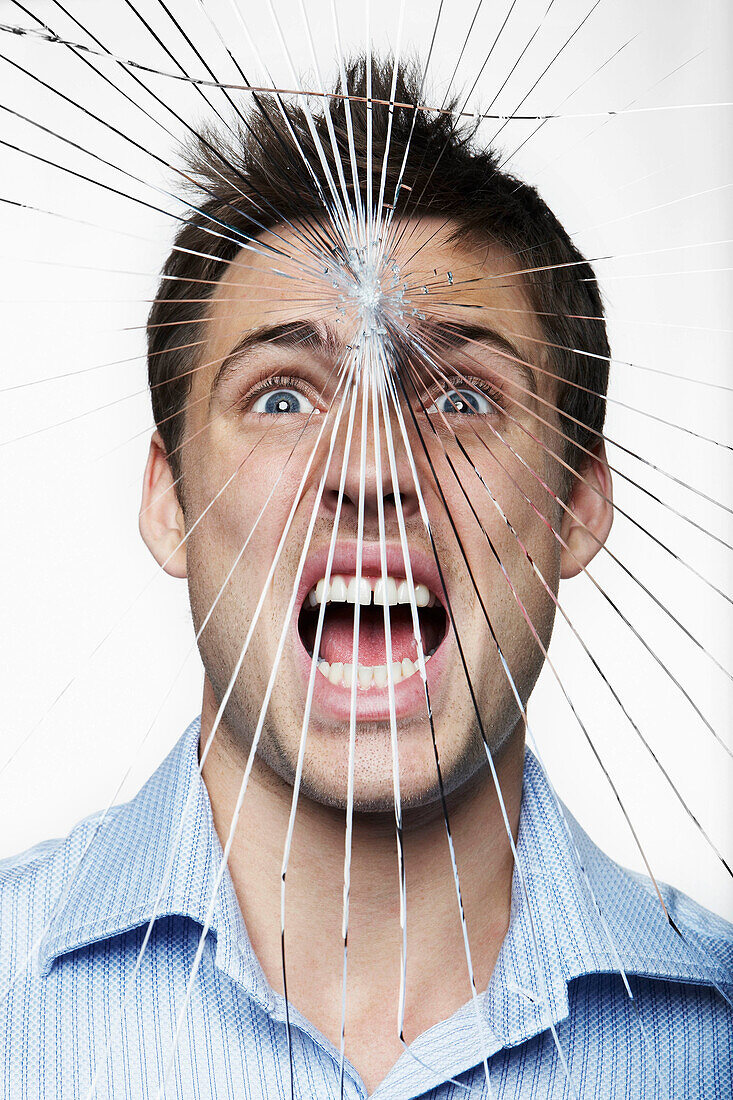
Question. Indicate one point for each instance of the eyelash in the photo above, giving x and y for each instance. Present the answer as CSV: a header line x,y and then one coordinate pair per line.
x,y
468,383
275,382
283,381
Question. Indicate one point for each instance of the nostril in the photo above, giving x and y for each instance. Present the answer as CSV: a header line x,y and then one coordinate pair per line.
x,y
329,500
409,504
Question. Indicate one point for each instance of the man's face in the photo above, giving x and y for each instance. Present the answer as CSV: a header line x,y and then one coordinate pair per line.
x,y
264,403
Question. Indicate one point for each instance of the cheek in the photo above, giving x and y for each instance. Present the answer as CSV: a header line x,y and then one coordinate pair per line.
x,y
503,482
239,497
510,517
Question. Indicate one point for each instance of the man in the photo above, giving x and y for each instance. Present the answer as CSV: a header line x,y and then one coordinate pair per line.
x,y
378,451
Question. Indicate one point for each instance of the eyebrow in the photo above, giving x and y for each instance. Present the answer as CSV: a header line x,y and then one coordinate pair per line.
x,y
316,336
325,340
453,335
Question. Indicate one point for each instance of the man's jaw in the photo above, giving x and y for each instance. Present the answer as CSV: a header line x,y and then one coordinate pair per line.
x,y
336,668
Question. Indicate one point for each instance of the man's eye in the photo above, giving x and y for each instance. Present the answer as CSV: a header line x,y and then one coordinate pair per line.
x,y
282,401
461,401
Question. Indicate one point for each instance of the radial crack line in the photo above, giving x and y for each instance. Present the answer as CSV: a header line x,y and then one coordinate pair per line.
x,y
212,733
355,367
263,711
477,711
593,660
138,106
589,454
583,728
547,658
483,1038
191,650
598,587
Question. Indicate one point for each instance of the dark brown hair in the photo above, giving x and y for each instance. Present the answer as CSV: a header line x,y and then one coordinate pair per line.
x,y
258,179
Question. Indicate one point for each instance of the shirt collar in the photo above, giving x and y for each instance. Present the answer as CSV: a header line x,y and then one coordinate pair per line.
x,y
576,912
156,855
573,909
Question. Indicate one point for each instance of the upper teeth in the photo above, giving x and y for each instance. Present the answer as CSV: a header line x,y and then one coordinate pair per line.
x,y
344,589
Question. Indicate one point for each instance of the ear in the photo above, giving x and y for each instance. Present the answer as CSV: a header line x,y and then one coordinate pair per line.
x,y
587,522
162,524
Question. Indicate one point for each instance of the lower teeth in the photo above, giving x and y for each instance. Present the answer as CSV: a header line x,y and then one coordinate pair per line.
x,y
368,675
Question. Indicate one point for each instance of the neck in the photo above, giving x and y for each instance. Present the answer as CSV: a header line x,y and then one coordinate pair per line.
x,y
437,971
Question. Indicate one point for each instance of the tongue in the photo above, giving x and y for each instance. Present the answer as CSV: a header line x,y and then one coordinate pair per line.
x,y
338,635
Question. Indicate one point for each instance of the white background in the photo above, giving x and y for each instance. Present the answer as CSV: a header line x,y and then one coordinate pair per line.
x,y
98,678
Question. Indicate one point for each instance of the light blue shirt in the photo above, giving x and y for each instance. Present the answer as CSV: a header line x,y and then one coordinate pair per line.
x,y
74,914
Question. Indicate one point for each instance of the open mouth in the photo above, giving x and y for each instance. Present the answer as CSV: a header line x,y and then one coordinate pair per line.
x,y
335,656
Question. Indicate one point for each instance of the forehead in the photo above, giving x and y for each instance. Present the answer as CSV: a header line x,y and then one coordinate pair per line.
x,y
282,278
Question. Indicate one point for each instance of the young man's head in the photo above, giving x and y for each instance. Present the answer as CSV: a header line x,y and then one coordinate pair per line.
x,y
324,383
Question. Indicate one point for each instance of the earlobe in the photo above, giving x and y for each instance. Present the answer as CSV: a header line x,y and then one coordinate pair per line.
x,y
589,516
162,524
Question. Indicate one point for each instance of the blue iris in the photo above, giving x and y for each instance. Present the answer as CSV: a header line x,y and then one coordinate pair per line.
x,y
462,401
282,401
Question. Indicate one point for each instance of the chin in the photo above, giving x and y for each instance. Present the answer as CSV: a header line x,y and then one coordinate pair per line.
x,y
372,797
326,766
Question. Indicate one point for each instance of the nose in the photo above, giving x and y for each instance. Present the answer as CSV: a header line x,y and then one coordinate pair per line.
x,y
377,480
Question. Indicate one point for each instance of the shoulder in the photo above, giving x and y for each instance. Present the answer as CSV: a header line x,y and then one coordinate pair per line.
x,y
33,884
620,919
32,873
708,934
661,975
35,865
99,849
661,932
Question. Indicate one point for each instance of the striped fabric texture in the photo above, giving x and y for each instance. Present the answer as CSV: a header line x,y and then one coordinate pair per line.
x,y
640,1007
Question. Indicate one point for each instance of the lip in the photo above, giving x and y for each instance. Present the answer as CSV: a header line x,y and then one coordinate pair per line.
x,y
334,700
